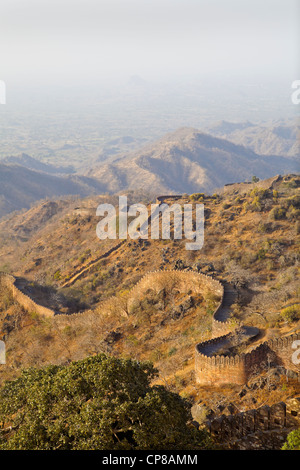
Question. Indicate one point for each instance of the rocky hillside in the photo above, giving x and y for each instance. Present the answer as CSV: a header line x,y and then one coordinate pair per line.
x,y
187,161
275,138
251,243
184,161
20,187
33,164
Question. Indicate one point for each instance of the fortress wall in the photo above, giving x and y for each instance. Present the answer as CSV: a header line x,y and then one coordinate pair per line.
x,y
245,187
220,328
183,281
215,370
258,428
285,351
161,199
8,281
219,370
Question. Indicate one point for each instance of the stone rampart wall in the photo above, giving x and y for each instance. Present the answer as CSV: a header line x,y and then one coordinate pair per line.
x,y
9,282
242,188
219,369
261,428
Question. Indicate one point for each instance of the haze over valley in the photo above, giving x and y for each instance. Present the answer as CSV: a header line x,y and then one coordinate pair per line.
x,y
177,136
185,161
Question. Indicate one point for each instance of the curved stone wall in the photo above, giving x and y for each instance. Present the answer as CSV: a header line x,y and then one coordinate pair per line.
x,y
209,369
8,281
184,281
236,369
242,188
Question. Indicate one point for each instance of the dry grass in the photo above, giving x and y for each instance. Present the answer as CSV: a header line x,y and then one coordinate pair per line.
x,y
242,244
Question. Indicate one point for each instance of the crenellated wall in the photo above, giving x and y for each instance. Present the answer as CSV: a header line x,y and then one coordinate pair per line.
x,y
8,281
29,304
184,281
243,188
210,369
219,328
219,369
261,428
161,199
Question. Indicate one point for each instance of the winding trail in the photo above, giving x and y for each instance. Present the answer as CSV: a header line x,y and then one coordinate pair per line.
x,y
81,272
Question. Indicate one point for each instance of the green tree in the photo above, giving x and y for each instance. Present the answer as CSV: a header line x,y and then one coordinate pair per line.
x,y
100,403
293,441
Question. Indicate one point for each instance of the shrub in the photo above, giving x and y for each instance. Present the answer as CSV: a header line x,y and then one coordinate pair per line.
x,y
291,313
293,213
256,204
197,196
262,227
172,351
290,184
261,254
99,403
293,441
57,275
277,213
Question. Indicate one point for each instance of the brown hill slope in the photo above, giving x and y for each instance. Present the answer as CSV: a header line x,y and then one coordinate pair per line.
x,y
20,187
33,164
275,138
187,161
251,242
184,161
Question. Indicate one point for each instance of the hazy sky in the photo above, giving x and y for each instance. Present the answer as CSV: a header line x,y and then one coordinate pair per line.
x,y
63,39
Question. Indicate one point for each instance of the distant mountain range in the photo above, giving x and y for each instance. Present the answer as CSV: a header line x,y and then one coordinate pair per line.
x,y
276,138
33,164
20,187
188,160
184,161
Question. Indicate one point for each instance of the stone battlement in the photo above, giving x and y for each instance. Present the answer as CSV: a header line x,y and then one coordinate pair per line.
x,y
210,369
8,281
244,187
265,427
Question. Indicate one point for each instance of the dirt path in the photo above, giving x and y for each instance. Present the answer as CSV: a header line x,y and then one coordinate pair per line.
x,y
90,265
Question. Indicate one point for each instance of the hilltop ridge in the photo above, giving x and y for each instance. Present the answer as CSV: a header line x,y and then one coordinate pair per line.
x,y
184,161
54,252
188,160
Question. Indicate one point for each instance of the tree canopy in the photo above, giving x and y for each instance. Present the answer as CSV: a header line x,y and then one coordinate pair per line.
x,y
99,403
293,441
